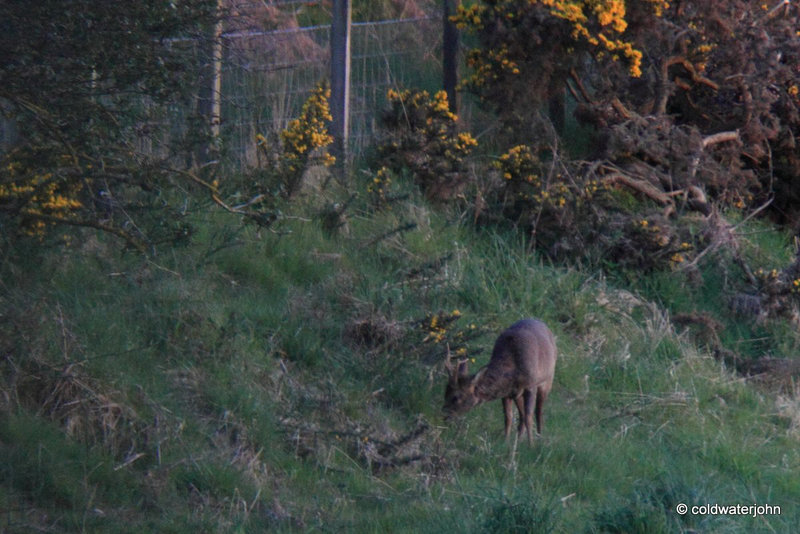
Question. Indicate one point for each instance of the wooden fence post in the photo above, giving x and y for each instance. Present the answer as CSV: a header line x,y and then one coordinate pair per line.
x,y
450,54
340,83
209,96
216,85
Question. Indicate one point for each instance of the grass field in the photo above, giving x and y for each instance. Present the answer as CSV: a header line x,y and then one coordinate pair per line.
x,y
291,380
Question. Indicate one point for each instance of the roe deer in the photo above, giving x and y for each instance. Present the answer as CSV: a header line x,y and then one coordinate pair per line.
x,y
522,366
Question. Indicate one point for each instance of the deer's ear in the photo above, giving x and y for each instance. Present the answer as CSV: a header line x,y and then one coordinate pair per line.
x,y
448,361
463,368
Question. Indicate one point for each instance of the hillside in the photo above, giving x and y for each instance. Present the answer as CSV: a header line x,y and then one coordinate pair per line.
x,y
290,379
212,319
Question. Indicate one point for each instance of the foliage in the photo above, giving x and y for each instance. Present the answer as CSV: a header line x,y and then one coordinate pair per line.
x,y
290,381
40,198
86,84
721,67
422,136
709,98
302,144
525,182
527,48
378,189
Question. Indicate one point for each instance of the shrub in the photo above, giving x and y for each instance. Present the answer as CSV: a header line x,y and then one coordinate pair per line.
x,y
421,134
302,144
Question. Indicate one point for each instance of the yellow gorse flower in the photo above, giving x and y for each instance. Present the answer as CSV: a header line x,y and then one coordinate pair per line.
x,y
42,196
309,132
600,23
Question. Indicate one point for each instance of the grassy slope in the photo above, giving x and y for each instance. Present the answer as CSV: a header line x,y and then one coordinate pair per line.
x,y
290,381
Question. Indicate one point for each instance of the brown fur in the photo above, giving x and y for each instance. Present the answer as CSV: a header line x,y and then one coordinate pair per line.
x,y
520,371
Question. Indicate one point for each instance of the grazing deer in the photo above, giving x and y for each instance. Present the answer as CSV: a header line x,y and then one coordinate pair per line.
x,y
522,366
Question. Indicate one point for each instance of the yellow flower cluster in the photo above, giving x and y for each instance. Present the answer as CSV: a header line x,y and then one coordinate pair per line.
x,y
520,169
783,284
470,17
378,188
519,163
437,325
658,6
767,275
654,233
431,117
433,108
612,14
308,132
659,243
556,196
596,22
41,196
464,142
591,187
677,259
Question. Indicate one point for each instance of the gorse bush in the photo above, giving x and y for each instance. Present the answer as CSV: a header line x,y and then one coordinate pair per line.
x,y
303,143
42,200
421,135
527,48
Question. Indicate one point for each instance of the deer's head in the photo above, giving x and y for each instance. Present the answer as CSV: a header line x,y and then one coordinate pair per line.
x,y
459,396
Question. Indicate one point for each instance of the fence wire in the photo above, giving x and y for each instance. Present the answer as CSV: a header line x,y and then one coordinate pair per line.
x,y
267,76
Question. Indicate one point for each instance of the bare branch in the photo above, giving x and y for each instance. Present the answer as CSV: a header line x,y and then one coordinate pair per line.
x,y
136,243
696,77
720,137
642,186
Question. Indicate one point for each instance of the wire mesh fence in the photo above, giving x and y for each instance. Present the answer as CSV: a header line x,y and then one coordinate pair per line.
x,y
267,76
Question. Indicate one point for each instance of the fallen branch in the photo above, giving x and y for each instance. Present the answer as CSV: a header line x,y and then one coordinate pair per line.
x,y
696,77
730,230
720,137
642,186
259,217
584,93
620,108
782,5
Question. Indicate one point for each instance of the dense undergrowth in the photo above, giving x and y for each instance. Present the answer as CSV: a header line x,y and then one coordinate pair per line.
x,y
290,379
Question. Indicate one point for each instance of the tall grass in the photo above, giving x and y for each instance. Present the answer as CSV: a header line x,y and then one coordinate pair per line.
x,y
287,381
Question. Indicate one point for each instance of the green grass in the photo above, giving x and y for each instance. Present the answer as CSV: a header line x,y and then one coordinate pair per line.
x,y
282,381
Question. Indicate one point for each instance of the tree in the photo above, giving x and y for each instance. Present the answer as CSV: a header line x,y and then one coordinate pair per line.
x,y
89,86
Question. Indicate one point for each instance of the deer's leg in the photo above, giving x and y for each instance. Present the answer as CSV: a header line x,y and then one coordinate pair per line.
x,y
521,410
541,396
508,415
526,412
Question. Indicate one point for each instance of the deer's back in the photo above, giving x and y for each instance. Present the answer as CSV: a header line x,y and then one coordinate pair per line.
x,y
524,357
